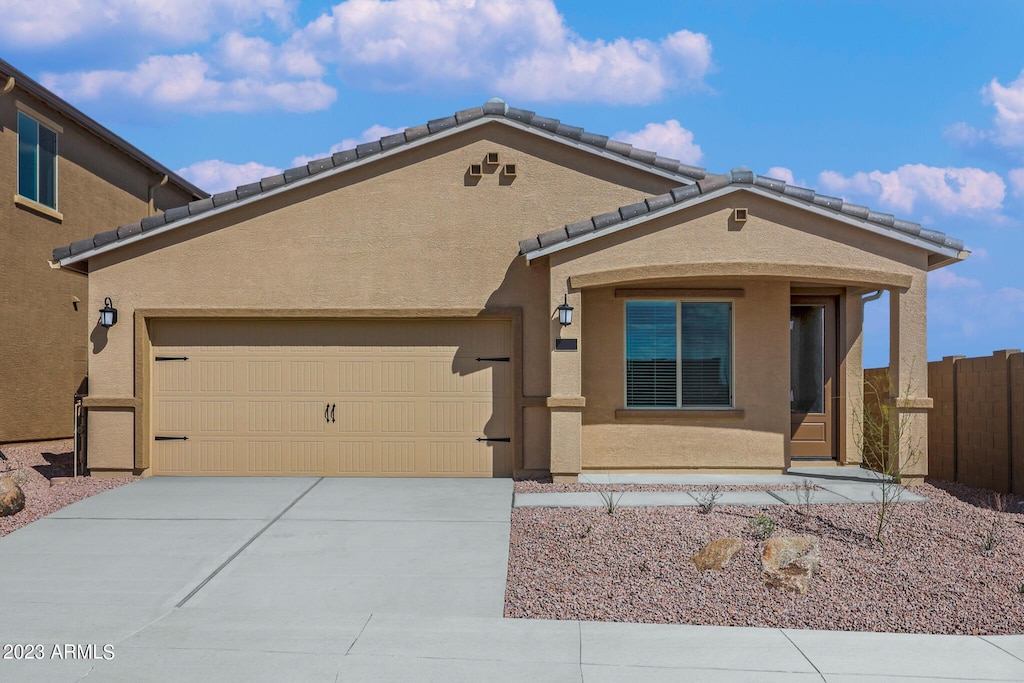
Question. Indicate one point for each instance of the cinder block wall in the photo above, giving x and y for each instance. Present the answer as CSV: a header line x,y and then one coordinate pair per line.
x,y
976,425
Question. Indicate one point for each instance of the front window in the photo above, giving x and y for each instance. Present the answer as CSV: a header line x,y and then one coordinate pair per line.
x,y
678,354
37,162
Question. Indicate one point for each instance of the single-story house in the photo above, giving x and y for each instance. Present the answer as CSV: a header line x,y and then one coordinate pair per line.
x,y
398,309
63,177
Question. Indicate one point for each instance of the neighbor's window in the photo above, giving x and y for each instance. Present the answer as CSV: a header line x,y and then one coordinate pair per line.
x,y
37,162
678,354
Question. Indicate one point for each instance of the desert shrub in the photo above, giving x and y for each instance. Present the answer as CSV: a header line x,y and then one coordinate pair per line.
x,y
761,526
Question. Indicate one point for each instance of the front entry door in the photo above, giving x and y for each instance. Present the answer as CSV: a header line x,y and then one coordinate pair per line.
x,y
813,385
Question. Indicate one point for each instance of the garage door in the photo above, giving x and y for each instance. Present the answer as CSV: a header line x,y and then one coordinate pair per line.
x,y
331,398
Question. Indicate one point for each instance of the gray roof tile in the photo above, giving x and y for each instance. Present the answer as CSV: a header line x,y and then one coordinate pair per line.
x,y
660,201
126,231
684,192
293,174
495,106
199,206
886,219
390,141
606,219
222,198
150,222
594,139
416,132
62,252
834,203
528,245
524,115
248,190
633,210
177,213
546,123
742,175
799,192
579,227
320,165
695,172
271,182
437,125
907,226
770,183
619,147
81,245
467,115
855,210
643,155
572,132
552,237
667,163
368,148
344,157
712,183
105,238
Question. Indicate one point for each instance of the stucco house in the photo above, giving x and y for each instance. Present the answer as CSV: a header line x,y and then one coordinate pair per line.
x,y
396,310
62,177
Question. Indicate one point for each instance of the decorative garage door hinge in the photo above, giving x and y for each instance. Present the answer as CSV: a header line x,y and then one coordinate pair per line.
x,y
162,358
170,438
503,439
497,359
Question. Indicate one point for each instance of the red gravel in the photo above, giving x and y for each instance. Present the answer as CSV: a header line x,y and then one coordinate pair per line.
x,y
538,486
932,576
43,470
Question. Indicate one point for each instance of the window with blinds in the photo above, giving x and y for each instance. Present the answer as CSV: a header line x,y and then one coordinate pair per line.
x,y
678,354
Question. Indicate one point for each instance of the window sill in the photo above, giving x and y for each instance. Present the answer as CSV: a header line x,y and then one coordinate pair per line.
x,y
661,414
38,208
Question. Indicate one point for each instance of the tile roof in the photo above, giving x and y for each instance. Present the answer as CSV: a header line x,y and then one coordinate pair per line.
x,y
738,177
494,109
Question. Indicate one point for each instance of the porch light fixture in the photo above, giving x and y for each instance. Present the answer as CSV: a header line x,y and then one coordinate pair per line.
x,y
108,314
565,313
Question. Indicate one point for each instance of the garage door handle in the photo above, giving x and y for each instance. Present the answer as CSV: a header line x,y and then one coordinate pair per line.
x,y
170,438
327,406
496,359
503,439
333,406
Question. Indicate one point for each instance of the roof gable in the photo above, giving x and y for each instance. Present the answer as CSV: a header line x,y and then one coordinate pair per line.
x,y
494,110
742,179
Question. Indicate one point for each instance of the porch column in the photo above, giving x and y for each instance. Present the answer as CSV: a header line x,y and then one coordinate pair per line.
x,y
853,346
566,401
908,373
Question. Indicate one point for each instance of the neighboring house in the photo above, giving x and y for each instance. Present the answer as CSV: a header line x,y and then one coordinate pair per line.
x,y
394,310
62,177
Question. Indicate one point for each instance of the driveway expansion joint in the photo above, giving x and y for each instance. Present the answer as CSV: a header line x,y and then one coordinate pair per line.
x,y
245,545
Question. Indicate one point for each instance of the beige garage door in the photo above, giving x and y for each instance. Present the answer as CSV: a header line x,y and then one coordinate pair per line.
x,y
334,398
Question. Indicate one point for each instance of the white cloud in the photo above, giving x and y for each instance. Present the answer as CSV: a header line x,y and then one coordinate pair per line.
x,y
952,190
781,173
190,83
214,175
374,132
31,24
1016,177
1008,123
947,279
977,312
668,139
520,49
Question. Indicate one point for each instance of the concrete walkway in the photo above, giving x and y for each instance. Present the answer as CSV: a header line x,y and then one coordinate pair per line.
x,y
368,580
835,484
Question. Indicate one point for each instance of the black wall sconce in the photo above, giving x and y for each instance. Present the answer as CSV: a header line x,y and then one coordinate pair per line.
x,y
565,313
108,314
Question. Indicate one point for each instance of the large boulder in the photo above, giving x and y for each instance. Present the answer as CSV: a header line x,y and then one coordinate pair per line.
x,y
789,562
717,553
12,498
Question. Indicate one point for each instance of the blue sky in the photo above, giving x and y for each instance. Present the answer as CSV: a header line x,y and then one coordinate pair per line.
x,y
916,108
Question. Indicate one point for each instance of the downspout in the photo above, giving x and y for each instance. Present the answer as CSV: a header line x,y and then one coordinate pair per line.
x,y
871,297
152,194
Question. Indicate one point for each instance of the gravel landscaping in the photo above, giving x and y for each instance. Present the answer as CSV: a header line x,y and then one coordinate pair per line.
x,y
546,486
44,471
934,574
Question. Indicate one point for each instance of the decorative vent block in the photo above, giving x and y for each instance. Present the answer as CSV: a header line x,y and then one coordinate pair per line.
x,y
492,159
510,171
475,171
740,215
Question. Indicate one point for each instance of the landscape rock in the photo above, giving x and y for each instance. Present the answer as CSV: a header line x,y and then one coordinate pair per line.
x,y
789,562
717,553
12,498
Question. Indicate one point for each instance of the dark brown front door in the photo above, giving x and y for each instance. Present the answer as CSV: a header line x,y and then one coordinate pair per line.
x,y
812,344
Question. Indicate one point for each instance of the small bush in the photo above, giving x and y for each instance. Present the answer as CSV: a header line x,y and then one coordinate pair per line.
x,y
707,500
762,526
805,494
611,500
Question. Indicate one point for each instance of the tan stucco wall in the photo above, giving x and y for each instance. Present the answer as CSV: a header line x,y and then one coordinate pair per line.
x,y
410,232
779,240
43,356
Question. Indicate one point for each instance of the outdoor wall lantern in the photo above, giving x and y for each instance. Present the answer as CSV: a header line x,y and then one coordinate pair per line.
x,y
108,314
565,313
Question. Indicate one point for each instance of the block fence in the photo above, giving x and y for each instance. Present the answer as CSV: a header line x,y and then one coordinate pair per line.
x,y
976,426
